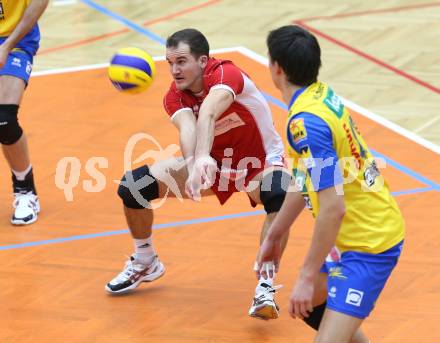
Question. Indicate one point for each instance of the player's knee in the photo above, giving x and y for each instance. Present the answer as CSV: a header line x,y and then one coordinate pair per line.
x,y
10,130
314,318
273,190
138,187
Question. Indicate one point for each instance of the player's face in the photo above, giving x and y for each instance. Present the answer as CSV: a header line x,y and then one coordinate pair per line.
x,y
187,71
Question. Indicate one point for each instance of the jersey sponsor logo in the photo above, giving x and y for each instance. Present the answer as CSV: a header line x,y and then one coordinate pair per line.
x,y
297,130
334,103
336,272
354,297
371,173
352,144
227,123
2,13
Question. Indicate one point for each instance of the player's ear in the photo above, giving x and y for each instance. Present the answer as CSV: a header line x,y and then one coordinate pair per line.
x,y
203,61
278,69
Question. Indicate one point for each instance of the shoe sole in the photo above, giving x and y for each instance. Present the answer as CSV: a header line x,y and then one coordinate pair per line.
x,y
265,312
19,222
147,278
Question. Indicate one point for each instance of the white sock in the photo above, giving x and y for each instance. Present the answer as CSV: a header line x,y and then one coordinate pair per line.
x,y
22,175
144,250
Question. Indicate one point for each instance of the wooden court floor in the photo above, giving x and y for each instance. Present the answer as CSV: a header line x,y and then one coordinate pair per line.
x,y
53,273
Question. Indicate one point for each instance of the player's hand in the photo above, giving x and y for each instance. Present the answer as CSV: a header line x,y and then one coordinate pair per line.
x,y
300,302
4,52
268,259
202,176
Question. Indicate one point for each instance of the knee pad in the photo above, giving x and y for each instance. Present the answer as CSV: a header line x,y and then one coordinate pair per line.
x,y
273,190
134,192
314,318
10,130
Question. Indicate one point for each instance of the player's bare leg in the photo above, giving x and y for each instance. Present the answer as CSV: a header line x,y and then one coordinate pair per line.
x,y
15,149
161,180
263,304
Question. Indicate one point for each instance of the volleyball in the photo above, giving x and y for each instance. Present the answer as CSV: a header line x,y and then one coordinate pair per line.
x,y
131,70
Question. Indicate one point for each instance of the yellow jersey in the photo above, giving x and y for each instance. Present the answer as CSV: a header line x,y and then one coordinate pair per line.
x,y
11,12
372,222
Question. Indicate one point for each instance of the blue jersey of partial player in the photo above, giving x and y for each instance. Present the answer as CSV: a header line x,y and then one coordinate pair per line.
x,y
11,12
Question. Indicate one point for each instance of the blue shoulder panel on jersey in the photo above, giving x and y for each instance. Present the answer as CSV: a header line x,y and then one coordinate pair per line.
x,y
309,133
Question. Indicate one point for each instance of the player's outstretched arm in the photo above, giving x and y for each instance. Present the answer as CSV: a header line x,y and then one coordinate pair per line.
x,y
186,124
203,174
214,105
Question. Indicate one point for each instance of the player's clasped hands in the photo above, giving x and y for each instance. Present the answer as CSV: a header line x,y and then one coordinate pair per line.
x,y
202,176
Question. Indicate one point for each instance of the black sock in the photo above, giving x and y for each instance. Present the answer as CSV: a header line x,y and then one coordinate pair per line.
x,y
24,186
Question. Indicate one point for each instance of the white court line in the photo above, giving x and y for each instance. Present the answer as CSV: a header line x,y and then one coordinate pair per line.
x,y
263,60
426,124
64,2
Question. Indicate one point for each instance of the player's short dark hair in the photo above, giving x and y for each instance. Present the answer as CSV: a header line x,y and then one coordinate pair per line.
x,y
196,41
297,52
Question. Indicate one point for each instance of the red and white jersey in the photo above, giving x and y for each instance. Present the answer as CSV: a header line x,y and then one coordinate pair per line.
x,y
244,133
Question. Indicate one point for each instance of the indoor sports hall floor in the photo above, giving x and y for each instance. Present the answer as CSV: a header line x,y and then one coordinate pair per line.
x,y
52,273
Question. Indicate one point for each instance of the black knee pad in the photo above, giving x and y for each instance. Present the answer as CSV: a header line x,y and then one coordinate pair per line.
x,y
273,190
314,318
10,130
136,193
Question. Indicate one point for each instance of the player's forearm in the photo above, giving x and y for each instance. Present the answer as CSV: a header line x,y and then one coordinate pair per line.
x,y
29,19
216,103
187,139
325,232
205,134
292,206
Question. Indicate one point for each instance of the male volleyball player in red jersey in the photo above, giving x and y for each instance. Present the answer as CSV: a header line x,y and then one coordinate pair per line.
x,y
229,144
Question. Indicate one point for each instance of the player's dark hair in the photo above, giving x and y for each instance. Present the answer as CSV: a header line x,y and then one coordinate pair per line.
x,y
196,41
297,52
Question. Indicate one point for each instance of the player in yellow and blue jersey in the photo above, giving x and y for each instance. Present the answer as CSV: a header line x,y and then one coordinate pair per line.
x,y
19,42
357,219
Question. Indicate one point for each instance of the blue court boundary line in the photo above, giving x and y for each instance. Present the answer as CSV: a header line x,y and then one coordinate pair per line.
x,y
120,232
124,21
432,185
165,225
